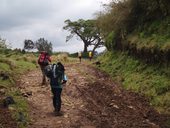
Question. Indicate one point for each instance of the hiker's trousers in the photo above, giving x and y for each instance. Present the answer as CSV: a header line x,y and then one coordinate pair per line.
x,y
56,98
43,74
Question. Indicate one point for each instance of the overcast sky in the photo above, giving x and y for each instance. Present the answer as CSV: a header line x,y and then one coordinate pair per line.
x,y
33,19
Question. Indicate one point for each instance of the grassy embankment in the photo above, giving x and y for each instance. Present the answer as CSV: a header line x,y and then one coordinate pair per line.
x,y
142,62
151,80
153,36
13,64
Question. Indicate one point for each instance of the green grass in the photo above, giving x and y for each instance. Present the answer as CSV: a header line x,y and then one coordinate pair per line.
x,y
21,106
15,64
4,66
24,66
152,34
150,80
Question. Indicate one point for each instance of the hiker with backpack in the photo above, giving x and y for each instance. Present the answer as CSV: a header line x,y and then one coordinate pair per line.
x,y
79,56
90,55
43,60
58,79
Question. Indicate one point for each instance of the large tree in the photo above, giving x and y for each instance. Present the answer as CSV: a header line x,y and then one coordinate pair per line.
x,y
44,45
86,30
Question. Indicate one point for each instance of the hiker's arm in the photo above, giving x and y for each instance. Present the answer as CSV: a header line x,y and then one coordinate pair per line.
x,y
64,79
49,59
38,59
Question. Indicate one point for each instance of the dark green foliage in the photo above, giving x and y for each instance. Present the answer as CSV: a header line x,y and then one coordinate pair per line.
x,y
86,30
23,51
141,27
44,45
75,55
85,55
129,14
5,51
109,41
29,44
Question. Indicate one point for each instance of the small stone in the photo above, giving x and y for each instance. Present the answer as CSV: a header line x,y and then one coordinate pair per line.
x,y
59,122
115,106
65,116
44,116
88,126
2,91
29,93
11,108
104,114
24,95
130,107
7,101
81,106
103,87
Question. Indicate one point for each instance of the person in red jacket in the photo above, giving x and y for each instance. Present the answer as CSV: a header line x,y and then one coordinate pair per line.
x,y
43,60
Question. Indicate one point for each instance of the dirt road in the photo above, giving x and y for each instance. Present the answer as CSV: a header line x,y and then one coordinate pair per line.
x,y
89,100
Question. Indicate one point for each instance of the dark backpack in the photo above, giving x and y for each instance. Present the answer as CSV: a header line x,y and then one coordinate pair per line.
x,y
48,70
54,71
42,60
58,72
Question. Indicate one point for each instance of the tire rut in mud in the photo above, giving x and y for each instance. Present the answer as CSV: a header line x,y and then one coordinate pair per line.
x,y
108,105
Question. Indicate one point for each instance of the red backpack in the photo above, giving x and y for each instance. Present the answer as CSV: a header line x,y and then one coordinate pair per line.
x,y
42,60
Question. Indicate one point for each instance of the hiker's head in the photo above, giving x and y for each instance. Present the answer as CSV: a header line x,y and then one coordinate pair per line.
x,y
61,66
44,52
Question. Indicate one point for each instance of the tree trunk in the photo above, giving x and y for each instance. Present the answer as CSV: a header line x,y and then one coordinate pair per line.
x,y
85,47
94,49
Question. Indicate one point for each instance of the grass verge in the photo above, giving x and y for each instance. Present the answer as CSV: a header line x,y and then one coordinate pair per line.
x,y
13,65
152,81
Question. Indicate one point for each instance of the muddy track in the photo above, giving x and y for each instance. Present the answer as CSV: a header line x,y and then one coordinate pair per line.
x,y
90,100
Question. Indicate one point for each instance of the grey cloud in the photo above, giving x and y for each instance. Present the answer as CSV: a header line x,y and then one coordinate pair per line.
x,y
32,19
20,12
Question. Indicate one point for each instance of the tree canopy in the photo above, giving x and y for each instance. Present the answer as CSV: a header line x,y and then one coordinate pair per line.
x,y
140,27
124,16
86,30
43,45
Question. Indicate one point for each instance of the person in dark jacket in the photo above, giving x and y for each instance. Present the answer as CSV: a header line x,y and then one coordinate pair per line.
x,y
56,82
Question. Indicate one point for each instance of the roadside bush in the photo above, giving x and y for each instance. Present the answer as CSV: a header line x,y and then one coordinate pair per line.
x,y
74,55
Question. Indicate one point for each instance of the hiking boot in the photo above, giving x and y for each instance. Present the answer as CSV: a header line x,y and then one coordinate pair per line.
x,y
58,113
42,83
